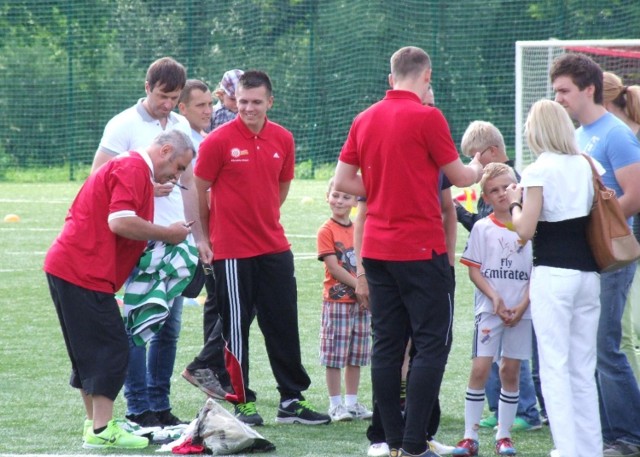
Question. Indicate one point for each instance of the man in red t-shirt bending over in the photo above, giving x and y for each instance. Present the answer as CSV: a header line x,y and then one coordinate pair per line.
x,y
104,234
400,145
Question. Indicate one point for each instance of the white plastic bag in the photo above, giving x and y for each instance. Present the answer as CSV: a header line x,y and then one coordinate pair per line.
x,y
222,433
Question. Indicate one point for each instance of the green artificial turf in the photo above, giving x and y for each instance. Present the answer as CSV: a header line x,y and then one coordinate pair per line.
x,y
41,414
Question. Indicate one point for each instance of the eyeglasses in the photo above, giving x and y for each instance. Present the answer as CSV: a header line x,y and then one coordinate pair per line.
x,y
486,149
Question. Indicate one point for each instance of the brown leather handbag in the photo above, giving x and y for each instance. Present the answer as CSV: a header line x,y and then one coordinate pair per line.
x,y
608,234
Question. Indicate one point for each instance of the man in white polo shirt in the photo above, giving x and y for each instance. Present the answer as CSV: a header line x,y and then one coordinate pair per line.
x,y
148,380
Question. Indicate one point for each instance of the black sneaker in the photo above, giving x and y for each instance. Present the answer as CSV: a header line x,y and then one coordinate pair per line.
x,y
167,419
145,419
301,412
247,413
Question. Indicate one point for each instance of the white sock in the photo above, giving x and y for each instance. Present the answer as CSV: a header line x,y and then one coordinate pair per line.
x,y
473,407
507,409
335,400
350,400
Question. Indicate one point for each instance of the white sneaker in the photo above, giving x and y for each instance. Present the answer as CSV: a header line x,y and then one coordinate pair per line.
x,y
440,448
359,411
135,429
339,413
168,434
378,450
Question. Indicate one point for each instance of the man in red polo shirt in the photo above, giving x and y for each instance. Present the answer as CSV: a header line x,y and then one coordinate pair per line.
x,y
400,145
104,234
248,165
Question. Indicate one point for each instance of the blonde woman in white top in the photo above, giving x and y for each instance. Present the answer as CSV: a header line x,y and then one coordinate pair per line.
x,y
565,285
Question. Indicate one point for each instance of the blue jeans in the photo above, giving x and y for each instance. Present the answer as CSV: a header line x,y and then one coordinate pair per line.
x,y
527,409
535,374
619,394
148,380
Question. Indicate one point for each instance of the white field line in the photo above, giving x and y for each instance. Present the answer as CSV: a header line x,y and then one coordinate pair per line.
x,y
22,200
39,229
29,229
299,257
77,455
23,253
106,453
296,256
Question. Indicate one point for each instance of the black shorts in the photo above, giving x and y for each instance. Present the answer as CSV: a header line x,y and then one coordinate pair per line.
x,y
95,337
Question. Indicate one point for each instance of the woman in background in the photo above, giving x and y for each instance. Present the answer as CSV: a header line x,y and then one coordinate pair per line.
x,y
624,103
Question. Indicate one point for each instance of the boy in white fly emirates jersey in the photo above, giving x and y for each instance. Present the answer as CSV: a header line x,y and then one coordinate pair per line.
x,y
499,266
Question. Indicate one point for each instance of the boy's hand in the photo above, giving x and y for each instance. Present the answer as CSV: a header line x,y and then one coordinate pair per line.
x,y
506,315
516,314
498,306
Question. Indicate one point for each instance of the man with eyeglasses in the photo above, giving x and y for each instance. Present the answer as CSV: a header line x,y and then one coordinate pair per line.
x,y
484,138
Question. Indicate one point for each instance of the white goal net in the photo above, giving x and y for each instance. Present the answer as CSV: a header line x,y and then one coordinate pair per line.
x,y
534,60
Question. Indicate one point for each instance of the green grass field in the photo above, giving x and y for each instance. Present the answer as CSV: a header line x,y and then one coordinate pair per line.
x,y
41,414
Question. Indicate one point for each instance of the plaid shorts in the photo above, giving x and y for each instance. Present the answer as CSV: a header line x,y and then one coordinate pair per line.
x,y
345,335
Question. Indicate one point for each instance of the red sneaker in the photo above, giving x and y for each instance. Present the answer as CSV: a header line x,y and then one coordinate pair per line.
x,y
466,448
504,446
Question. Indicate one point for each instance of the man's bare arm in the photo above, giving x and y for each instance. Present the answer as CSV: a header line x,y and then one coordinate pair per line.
x,y
627,178
462,175
204,246
347,179
136,228
284,191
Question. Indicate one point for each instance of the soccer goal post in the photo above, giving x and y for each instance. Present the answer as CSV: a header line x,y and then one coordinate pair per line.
x,y
533,63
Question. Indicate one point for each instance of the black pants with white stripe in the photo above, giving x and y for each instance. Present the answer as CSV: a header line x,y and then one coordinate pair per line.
x,y
264,286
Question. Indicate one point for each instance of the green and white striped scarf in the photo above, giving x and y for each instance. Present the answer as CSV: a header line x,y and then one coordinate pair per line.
x,y
163,272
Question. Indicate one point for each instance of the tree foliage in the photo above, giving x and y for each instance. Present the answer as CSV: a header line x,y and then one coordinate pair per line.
x,y
68,66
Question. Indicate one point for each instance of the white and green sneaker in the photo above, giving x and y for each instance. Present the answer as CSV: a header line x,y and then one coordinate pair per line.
x,y
88,425
126,425
135,429
113,437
